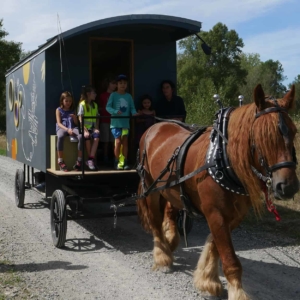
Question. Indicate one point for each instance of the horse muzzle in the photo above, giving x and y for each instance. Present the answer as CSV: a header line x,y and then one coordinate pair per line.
x,y
285,190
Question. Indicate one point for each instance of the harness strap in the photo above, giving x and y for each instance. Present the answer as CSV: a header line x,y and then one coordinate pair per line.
x,y
270,110
189,208
176,181
284,164
221,134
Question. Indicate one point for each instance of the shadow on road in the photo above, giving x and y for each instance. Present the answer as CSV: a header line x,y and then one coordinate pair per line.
x,y
39,267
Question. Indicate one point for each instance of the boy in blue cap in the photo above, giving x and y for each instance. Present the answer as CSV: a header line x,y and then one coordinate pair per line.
x,y
120,103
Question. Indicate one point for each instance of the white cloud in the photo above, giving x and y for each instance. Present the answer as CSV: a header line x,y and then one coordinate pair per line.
x,y
282,45
32,22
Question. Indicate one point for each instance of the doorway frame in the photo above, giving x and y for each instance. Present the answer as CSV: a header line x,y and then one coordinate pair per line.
x,y
131,57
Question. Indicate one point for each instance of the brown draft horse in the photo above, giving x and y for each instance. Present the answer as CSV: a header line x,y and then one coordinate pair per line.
x,y
222,209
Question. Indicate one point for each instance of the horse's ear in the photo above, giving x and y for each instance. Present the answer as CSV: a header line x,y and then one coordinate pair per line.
x,y
288,100
259,97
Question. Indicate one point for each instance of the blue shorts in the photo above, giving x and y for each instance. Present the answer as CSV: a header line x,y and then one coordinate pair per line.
x,y
93,135
118,132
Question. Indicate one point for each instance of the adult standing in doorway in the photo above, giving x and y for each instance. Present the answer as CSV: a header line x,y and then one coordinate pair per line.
x,y
170,106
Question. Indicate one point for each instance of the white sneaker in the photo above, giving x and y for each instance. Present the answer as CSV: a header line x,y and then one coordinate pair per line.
x,y
90,164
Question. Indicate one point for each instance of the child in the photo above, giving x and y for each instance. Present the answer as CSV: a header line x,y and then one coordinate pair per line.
x,y
89,108
121,103
106,135
146,119
66,122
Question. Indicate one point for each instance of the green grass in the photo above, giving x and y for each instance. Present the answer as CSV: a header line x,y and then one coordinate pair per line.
x,y
289,226
9,277
2,144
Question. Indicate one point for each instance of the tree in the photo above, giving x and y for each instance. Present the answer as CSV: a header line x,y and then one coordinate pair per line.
x,y
272,78
24,54
9,55
269,74
221,71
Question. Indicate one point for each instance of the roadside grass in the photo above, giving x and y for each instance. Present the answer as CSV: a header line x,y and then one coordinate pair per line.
x,y
287,227
11,284
2,147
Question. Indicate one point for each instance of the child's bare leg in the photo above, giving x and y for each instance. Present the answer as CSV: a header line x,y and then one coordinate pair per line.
x,y
60,154
94,147
117,147
88,147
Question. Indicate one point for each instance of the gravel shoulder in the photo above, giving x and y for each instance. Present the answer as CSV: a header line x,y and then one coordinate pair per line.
x,y
102,262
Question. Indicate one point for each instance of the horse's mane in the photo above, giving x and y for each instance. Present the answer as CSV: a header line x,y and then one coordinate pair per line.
x,y
242,130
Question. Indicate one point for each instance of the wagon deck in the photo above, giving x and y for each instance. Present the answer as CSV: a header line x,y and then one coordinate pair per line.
x,y
103,171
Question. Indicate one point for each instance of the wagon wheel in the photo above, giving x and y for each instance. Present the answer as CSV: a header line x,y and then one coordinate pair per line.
x,y
188,223
58,218
19,188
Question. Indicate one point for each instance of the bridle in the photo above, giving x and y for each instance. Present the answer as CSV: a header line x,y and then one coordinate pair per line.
x,y
284,130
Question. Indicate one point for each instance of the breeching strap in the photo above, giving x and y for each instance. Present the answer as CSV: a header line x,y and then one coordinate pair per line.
x,y
176,181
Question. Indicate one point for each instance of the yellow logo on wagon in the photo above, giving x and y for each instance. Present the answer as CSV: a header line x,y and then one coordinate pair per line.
x,y
26,72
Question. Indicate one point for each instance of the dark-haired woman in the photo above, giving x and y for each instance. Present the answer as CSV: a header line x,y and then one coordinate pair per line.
x,y
170,106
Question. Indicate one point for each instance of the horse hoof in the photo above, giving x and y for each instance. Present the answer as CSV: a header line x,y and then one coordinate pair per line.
x,y
163,269
212,286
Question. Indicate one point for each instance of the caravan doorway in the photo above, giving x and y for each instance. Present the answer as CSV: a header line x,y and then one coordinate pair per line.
x,y
108,59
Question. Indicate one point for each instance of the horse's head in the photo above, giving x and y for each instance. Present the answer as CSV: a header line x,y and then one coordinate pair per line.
x,y
272,142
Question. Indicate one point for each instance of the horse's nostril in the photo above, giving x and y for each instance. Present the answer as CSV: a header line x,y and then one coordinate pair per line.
x,y
287,191
279,188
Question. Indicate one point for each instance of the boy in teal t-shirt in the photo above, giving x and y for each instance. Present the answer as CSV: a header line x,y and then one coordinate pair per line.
x,y
121,104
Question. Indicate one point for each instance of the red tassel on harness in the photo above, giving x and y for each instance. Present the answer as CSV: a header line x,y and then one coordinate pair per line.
x,y
270,206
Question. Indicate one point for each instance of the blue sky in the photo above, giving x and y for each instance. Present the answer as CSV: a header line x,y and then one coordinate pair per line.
x,y
268,27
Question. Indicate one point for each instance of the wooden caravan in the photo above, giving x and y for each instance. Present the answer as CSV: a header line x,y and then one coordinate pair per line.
x,y
141,46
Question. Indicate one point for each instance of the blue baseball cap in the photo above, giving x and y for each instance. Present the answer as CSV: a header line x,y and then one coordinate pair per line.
x,y
122,77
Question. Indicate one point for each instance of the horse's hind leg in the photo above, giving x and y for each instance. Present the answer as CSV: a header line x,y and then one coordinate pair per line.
x,y
206,276
169,224
162,255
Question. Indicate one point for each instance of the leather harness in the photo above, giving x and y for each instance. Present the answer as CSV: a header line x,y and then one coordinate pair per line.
x,y
217,162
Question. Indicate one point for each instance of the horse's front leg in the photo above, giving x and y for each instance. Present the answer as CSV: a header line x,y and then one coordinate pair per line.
x,y
206,275
231,265
162,255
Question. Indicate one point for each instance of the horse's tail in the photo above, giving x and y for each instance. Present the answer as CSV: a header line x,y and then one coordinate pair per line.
x,y
143,212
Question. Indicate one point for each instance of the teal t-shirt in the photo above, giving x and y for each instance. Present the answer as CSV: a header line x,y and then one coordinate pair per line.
x,y
125,104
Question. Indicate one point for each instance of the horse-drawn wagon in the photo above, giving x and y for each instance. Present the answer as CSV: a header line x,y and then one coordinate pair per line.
x,y
219,171
141,46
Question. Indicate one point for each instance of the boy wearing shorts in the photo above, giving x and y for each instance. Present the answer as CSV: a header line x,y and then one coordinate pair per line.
x,y
120,103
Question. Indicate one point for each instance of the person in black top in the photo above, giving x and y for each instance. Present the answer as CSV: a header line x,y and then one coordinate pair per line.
x,y
170,106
